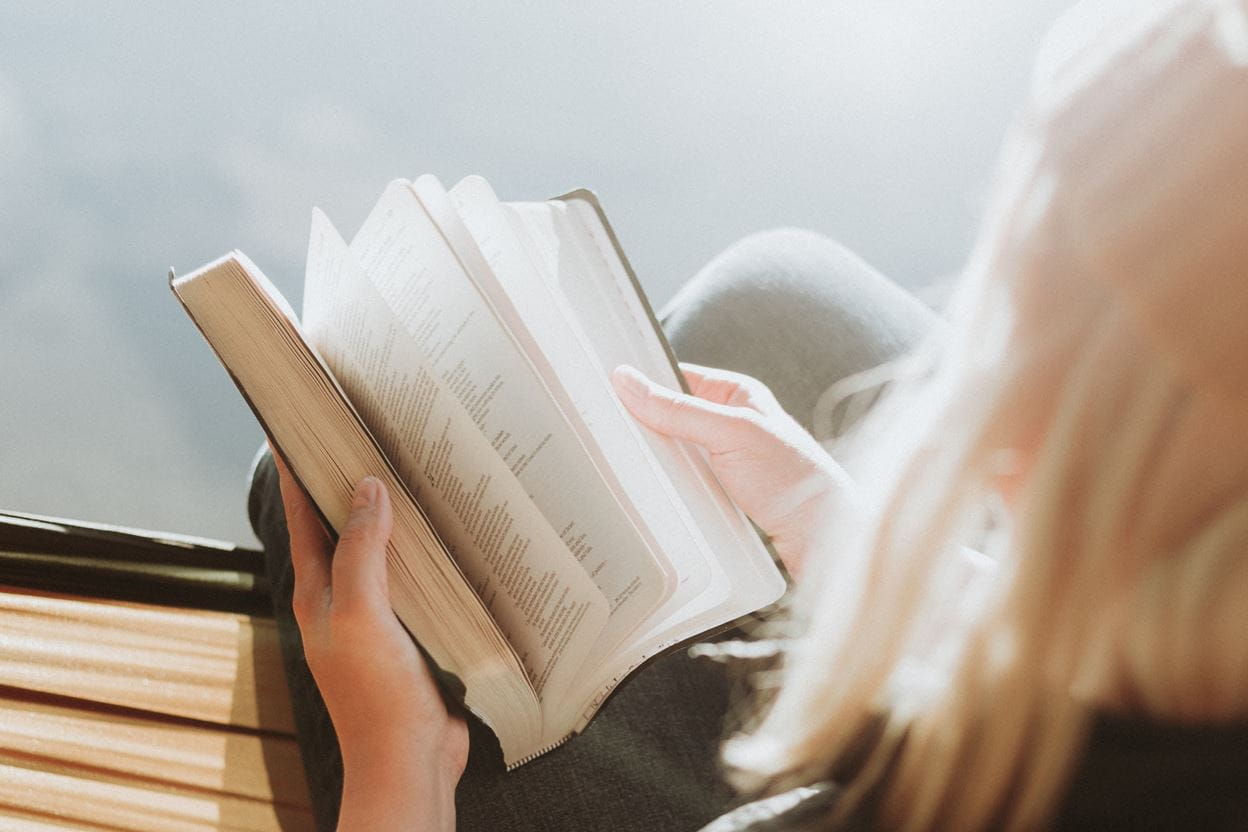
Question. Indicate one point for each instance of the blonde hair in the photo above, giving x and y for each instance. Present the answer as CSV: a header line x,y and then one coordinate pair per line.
x,y
1051,416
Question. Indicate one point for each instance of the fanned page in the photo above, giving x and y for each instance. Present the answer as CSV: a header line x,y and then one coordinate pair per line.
x,y
547,347
546,605
310,419
543,313
574,251
428,287
474,432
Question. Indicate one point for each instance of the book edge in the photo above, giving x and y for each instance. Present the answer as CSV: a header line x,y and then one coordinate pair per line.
x,y
590,198
175,282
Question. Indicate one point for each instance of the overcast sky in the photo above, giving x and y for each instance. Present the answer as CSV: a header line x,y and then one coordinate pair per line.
x,y
139,135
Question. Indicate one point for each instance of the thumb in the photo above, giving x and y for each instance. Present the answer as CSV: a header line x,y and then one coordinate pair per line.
x,y
360,560
716,427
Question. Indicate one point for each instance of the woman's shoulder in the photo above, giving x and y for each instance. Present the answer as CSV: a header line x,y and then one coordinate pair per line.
x,y
1149,774
1135,774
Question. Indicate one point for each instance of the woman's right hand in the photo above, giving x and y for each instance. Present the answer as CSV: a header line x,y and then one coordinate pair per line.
x,y
772,468
402,751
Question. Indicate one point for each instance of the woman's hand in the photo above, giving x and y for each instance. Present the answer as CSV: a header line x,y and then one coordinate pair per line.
x,y
402,751
772,468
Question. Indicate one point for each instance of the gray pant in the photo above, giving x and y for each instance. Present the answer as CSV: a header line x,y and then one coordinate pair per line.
x,y
789,307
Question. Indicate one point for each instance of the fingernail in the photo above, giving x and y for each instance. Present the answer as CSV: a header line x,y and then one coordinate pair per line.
x,y
630,379
366,493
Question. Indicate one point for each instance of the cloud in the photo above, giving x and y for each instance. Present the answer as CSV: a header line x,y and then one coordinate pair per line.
x,y
697,122
15,128
311,156
88,435
327,126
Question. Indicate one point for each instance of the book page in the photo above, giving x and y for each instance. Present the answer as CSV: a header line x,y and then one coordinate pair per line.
x,y
328,448
543,600
556,332
582,265
424,281
732,538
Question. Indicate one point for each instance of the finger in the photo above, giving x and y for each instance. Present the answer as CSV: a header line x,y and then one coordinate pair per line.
x,y
730,388
309,546
360,559
716,427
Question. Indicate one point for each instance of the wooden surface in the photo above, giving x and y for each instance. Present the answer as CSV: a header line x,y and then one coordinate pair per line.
x,y
119,715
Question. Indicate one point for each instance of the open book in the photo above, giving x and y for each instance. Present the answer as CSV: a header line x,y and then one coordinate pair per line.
x,y
545,544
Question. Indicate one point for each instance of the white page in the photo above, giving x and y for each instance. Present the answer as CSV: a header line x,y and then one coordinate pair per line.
x,y
730,534
501,280
302,406
608,315
558,336
541,597
426,283
586,269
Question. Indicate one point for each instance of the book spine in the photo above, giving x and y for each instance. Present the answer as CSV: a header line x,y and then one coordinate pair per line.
x,y
515,765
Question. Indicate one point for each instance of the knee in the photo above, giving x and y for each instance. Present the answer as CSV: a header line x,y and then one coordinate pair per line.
x,y
796,310
781,264
785,255
778,279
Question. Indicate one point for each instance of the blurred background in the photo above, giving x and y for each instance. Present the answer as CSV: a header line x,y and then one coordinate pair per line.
x,y
139,135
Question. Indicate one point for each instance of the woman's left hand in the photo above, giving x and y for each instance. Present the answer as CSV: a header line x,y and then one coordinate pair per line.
x,y
402,751
767,463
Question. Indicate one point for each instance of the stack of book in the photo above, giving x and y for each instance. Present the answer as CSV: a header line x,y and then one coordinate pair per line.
x,y
141,684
